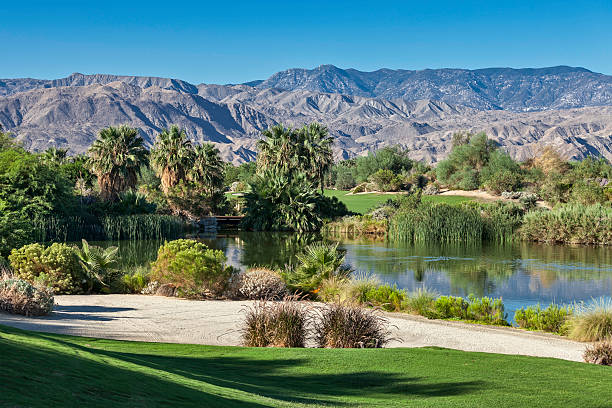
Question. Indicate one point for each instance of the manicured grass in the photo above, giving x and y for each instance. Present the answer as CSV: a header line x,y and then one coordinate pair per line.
x,y
47,370
361,203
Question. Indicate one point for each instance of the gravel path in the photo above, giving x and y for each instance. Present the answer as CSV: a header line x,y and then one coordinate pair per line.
x,y
172,320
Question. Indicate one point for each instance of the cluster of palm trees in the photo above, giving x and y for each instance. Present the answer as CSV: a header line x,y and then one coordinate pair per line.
x,y
119,153
287,151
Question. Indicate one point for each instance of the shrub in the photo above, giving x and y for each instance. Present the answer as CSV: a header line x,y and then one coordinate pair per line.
x,y
385,180
54,266
449,307
135,281
387,297
501,221
592,322
258,283
552,319
570,223
275,324
316,263
421,302
98,264
486,310
340,325
20,297
600,353
501,173
192,267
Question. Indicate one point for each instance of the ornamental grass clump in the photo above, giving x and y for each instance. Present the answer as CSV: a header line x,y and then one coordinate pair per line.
x,y
592,322
258,283
342,325
421,302
553,319
599,353
275,324
20,297
195,270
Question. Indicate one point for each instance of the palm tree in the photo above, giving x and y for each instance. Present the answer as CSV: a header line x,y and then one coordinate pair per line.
x,y
208,167
279,149
97,263
115,158
172,156
53,155
318,152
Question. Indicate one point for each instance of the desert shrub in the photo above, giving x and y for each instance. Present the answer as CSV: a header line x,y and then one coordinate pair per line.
x,y
449,307
341,325
552,319
258,283
587,192
20,297
192,267
486,310
54,266
135,281
599,353
387,297
392,158
592,322
501,173
570,223
316,263
421,302
385,180
275,324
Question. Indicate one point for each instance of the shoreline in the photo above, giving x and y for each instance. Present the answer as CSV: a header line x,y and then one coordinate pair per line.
x,y
217,322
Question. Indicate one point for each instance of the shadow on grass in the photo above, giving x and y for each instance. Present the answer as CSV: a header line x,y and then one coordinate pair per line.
x,y
280,377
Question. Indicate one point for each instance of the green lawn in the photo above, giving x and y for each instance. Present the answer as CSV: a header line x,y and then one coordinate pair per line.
x,y
361,203
47,370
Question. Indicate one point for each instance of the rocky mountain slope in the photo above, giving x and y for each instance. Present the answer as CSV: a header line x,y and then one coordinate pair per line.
x,y
69,112
492,88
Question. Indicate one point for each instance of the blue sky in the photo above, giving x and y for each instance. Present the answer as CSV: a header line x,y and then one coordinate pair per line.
x,y
236,41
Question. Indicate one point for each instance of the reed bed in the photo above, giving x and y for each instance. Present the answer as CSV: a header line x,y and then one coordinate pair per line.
x,y
142,227
357,226
56,229
439,223
570,223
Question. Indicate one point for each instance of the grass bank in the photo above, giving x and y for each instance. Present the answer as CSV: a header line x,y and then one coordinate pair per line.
x,y
361,203
74,371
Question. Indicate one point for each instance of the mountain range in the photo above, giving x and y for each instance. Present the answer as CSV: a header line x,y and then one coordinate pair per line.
x,y
522,109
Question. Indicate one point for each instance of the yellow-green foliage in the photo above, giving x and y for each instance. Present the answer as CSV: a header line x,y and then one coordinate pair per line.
x,y
570,223
54,266
192,267
552,319
357,225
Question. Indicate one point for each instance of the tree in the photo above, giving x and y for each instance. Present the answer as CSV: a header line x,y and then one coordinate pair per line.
x,y
317,145
279,150
172,157
54,156
97,263
115,158
208,169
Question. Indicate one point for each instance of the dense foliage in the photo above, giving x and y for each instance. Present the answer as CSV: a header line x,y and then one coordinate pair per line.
x,y
193,268
20,297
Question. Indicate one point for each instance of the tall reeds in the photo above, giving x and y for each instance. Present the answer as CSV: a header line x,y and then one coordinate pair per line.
x,y
570,223
440,223
140,227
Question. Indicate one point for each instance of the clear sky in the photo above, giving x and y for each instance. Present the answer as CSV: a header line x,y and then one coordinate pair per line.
x,y
235,41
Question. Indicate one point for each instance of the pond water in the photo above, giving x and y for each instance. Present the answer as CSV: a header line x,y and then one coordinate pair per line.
x,y
522,274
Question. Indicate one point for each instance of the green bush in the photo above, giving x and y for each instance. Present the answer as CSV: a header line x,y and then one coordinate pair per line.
x,y
486,310
134,281
385,180
192,267
451,307
316,263
20,297
501,173
422,302
387,297
55,266
552,319
570,223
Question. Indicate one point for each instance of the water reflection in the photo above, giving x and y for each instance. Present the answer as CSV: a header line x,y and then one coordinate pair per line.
x,y
522,274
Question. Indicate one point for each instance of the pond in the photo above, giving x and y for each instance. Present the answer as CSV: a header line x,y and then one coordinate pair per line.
x,y
522,274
